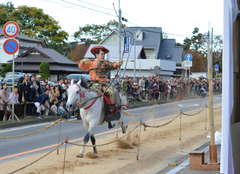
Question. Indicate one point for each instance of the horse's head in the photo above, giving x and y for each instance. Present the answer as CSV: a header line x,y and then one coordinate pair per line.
x,y
73,94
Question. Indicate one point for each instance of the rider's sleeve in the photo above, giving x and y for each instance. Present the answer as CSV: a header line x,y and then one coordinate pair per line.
x,y
85,64
114,65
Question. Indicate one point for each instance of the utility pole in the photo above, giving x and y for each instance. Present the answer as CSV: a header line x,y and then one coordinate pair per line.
x,y
135,62
212,147
119,28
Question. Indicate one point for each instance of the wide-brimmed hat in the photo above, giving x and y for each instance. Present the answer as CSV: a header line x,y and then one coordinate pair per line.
x,y
94,49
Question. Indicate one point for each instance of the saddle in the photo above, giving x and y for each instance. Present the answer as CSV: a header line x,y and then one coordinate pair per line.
x,y
112,112
110,108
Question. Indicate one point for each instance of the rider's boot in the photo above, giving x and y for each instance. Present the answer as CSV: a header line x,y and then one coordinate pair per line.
x,y
110,125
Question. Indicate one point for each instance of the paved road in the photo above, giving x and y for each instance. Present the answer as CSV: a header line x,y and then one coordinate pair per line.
x,y
9,147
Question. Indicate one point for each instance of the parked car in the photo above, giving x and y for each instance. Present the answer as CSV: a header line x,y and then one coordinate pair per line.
x,y
9,79
77,77
16,74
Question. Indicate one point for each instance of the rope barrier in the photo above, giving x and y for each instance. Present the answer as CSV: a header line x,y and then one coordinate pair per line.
x,y
193,113
35,161
161,125
104,144
72,121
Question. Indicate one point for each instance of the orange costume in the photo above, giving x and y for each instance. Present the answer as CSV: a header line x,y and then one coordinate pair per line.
x,y
98,68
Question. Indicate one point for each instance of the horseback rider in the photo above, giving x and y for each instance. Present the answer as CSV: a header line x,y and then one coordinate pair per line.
x,y
99,69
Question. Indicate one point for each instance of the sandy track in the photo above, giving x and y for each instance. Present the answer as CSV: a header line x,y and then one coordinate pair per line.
x,y
158,147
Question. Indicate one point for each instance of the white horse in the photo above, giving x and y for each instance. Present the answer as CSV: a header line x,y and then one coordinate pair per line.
x,y
91,111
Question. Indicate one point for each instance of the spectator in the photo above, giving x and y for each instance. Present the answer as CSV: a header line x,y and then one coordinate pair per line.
x,y
14,96
54,94
35,85
42,104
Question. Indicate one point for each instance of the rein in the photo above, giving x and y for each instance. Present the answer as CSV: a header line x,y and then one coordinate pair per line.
x,y
83,104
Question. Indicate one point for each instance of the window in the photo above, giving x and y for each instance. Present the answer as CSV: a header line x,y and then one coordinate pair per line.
x,y
139,35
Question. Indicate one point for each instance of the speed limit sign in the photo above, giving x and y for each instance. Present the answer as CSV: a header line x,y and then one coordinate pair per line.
x,y
11,29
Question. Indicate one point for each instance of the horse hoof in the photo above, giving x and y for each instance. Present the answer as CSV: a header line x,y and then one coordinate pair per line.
x,y
79,156
124,130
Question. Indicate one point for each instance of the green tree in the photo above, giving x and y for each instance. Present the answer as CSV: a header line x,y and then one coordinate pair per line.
x,y
198,44
5,68
35,23
5,12
44,70
93,33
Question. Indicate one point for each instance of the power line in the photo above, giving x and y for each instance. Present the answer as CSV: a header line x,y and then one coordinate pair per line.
x,y
59,3
85,7
95,5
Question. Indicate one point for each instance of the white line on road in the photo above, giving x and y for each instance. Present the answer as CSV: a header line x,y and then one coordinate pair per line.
x,y
24,127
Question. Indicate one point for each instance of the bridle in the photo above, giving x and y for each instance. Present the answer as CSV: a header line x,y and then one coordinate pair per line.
x,y
83,104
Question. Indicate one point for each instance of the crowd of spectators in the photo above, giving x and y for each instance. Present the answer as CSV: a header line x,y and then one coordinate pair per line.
x,y
156,88
39,96
36,96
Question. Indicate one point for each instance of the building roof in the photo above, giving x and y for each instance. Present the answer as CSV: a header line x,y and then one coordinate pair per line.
x,y
48,53
134,51
58,63
151,36
59,68
168,50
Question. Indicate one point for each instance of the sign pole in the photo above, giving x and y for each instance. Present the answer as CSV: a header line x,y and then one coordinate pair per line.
x,y
13,115
11,29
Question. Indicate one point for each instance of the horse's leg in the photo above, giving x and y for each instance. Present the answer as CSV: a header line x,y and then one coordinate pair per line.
x,y
86,138
121,124
93,140
85,141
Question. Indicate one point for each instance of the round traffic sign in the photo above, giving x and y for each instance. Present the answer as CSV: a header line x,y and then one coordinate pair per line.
x,y
11,46
11,29
188,57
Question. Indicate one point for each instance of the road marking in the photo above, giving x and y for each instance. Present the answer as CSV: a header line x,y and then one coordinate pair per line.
x,y
28,126
24,127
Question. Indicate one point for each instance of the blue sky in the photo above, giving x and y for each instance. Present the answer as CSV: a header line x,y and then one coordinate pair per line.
x,y
176,17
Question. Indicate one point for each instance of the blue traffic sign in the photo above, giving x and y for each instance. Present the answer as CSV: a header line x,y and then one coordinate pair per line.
x,y
188,57
11,46
216,67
